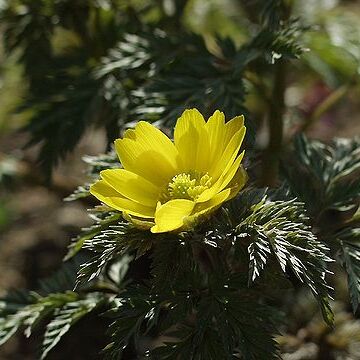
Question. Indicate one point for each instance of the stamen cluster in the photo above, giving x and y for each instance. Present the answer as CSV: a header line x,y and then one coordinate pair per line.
x,y
188,185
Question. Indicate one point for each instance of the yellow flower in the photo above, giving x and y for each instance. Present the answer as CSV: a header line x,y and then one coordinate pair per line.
x,y
167,185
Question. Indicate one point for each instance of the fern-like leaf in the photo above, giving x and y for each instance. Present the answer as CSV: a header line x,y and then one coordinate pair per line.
x,y
65,317
280,228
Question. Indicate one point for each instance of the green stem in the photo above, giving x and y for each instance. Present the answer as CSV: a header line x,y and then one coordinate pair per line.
x,y
271,157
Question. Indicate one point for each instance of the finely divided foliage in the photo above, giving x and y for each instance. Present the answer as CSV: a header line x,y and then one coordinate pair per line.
x,y
329,175
136,71
191,296
195,286
326,179
53,302
64,318
281,228
351,261
202,293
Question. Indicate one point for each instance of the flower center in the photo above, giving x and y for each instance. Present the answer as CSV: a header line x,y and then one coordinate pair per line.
x,y
188,185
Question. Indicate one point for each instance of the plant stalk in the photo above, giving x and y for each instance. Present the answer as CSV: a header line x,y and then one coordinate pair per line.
x,y
271,156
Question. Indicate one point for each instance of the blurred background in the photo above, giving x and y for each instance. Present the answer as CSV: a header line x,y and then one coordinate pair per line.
x,y
67,90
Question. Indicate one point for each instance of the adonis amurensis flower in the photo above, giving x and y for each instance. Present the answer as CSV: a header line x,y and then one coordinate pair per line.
x,y
171,186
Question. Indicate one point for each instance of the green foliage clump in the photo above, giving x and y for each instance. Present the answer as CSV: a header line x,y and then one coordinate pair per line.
x,y
220,290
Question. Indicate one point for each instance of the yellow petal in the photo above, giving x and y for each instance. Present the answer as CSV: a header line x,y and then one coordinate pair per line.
x,y
225,160
232,127
153,138
170,216
217,200
222,182
192,141
132,186
108,195
216,130
229,137
149,163
144,224
130,134
147,151
207,207
238,182
229,175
